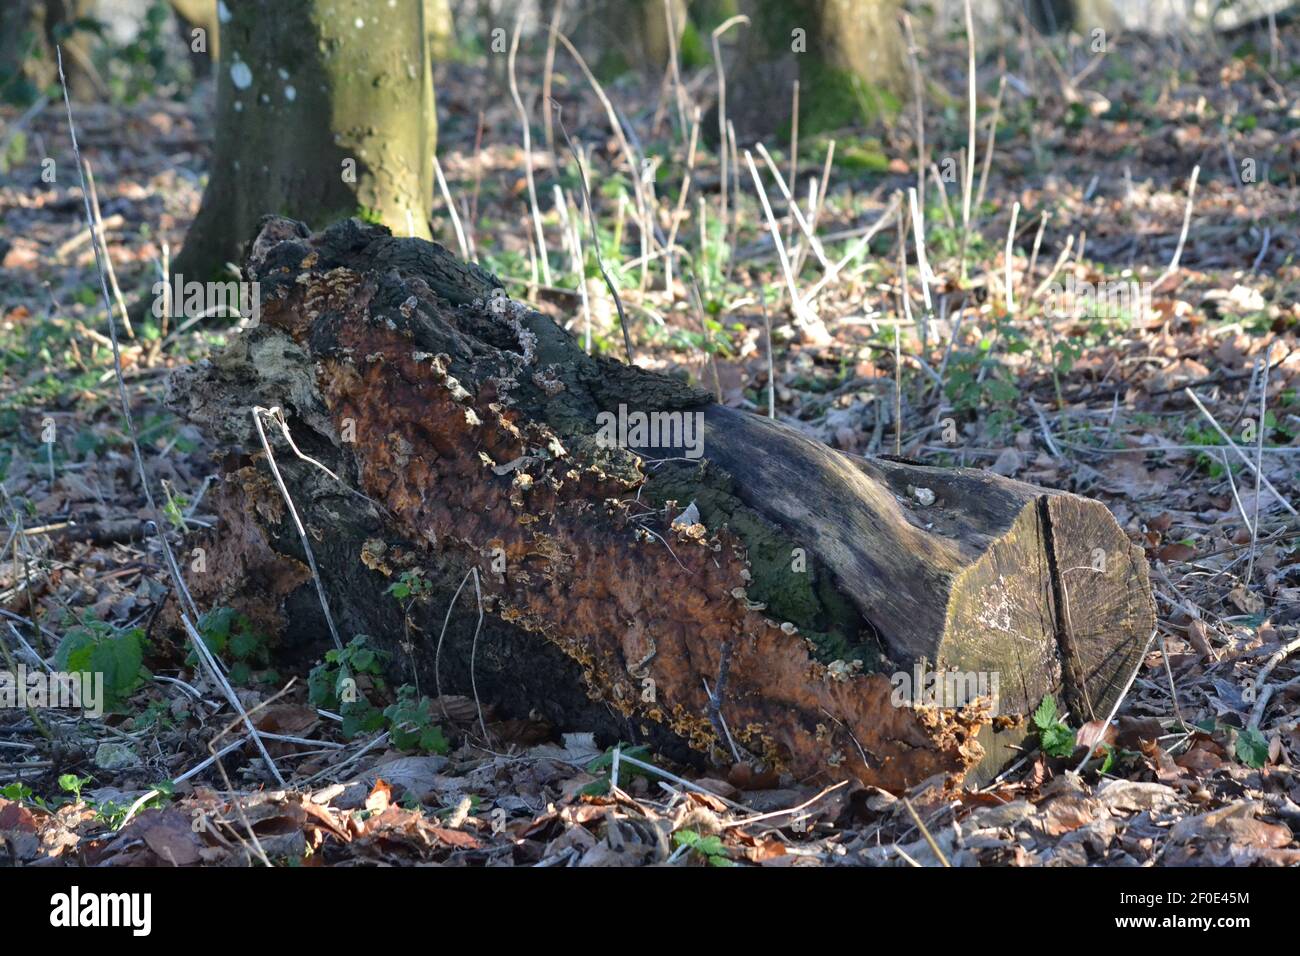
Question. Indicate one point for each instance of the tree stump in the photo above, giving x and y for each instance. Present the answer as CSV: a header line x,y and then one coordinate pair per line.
x,y
649,564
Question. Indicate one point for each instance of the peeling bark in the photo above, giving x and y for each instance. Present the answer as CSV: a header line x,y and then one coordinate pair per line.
x,y
469,425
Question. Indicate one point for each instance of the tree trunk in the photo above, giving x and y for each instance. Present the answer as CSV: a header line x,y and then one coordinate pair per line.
x,y
616,36
801,586
323,111
846,54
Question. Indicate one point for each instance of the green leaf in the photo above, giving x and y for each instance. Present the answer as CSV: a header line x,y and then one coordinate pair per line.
x,y
1045,715
1252,747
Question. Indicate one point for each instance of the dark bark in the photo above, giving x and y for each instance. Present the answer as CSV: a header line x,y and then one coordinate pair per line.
x,y
471,425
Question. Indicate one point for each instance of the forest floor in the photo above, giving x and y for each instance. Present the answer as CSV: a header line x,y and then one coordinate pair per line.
x,y
1073,365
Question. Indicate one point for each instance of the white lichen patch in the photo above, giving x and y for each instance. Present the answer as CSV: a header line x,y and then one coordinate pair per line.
x,y
241,75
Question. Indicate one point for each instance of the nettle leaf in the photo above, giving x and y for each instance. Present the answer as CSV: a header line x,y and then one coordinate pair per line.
x,y
1057,740
97,647
1252,747
1045,715
245,644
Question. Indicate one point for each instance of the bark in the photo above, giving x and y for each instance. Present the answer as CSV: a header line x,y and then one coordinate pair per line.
x,y
323,111
846,54
471,426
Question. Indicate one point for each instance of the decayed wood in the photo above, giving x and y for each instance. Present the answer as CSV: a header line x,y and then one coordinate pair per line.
x,y
470,424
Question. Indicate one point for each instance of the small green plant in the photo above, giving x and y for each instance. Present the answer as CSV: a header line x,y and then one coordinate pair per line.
x,y
71,783
710,848
409,584
411,723
604,765
232,637
1054,738
98,647
338,684
1252,748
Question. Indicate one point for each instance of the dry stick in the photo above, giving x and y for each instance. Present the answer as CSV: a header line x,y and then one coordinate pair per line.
x,y
793,203
257,412
108,260
817,203
916,818
988,148
968,179
528,150
675,73
885,218
201,647
1262,678
1033,255
1182,236
1060,261
922,264
918,94
796,303
771,374
679,211
1119,700
898,336
943,197
733,227
1011,234
581,267
794,157
644,217
1259,464
548,72
722,105
473,652
1259,474
451,209
595,232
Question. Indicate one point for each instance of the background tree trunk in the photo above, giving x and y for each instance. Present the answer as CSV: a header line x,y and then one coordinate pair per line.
x,y
802,579
29,32
846,54
198,14
616,36
323,111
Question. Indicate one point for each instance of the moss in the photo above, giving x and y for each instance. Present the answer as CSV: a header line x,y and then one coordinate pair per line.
x,y
806,598
833,98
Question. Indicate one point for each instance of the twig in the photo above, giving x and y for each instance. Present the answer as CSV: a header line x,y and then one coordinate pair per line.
x,y
595,231
257,412
1240,454
451,209
916,817
1259,464
528,150
1182,236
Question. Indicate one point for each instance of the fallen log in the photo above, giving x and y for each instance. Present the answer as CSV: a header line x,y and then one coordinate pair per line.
x,y
649,563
